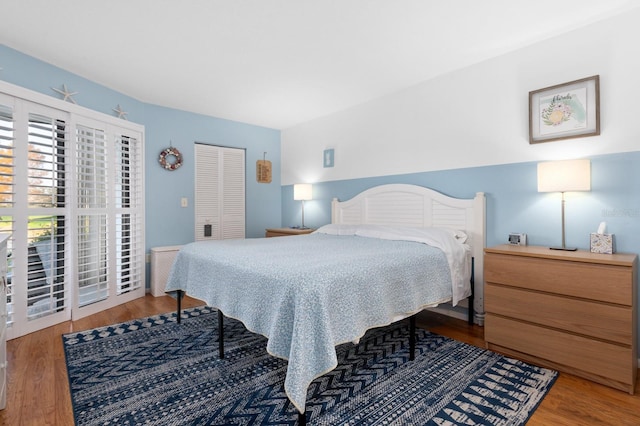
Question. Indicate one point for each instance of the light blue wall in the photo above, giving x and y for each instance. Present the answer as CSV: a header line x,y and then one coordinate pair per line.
x,y
513,203
166,222
165,189
467,131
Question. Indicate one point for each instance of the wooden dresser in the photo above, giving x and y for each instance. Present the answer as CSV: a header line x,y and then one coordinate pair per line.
x,y
285,232
571,311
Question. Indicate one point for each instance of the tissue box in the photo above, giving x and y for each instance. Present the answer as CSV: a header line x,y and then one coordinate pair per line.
x,y
602,243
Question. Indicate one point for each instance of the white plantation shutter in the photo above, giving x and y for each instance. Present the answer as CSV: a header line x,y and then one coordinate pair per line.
x,y
34,161
92,232
91,168
219,192
46,168
7,193
92,259
6,156
47,221
110,207
129,201
72,197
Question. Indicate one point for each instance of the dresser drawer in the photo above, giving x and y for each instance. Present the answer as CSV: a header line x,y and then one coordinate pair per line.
x,y
602,321
604,283
594,357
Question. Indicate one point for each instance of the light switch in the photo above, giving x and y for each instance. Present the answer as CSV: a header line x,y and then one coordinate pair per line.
x,y
184,202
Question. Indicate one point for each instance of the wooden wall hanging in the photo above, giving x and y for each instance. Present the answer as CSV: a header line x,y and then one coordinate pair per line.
x,y
263,170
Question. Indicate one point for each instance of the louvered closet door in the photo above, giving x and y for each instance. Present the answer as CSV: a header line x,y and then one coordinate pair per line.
x,y
219,193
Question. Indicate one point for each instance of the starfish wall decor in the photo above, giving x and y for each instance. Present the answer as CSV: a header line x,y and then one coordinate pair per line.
x,y
121,114
66,93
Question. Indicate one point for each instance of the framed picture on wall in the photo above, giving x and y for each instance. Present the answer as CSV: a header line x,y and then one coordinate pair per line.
x,y
563,111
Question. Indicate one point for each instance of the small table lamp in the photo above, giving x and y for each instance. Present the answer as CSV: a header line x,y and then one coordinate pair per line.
x,y
564,176
302,192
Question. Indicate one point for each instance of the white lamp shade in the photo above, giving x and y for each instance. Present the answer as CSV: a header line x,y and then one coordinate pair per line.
x,y
564,176
302,192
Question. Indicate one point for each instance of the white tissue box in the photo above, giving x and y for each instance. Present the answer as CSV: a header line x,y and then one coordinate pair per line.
x,y
602,243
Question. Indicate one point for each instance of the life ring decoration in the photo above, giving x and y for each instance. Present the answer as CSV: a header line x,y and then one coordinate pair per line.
x,y
170,159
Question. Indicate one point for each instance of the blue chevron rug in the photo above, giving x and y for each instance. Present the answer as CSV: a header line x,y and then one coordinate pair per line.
x,y
154,371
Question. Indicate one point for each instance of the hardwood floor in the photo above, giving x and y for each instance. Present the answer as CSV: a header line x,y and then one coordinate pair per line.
x,y
38,388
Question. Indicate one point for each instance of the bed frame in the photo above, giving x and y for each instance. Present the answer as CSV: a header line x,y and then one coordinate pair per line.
x,y
417,206
414,206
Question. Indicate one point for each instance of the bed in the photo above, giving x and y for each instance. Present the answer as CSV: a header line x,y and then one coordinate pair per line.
x,y
309,293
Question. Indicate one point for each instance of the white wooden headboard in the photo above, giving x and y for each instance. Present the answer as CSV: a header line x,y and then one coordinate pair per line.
x,y
417,206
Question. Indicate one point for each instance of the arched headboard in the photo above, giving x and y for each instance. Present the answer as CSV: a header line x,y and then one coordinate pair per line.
x,y
417,206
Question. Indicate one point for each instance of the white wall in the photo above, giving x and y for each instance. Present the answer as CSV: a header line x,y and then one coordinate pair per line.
x,y
478,115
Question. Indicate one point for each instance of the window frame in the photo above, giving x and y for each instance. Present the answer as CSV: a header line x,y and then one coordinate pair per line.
x,y
24,101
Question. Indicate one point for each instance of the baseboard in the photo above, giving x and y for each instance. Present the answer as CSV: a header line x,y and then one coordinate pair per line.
x,y
450,311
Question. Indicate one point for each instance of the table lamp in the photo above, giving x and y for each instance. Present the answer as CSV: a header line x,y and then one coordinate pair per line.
x,y
564,176
302,192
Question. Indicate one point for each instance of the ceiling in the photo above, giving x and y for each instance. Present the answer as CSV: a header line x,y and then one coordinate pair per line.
x,y
278,63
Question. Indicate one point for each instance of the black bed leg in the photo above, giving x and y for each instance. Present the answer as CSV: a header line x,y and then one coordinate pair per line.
x,y
302,419
220,334
471,298
412,337
179,296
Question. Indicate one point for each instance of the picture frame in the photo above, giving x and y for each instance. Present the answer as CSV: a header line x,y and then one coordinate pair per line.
x,y
565,111
328,158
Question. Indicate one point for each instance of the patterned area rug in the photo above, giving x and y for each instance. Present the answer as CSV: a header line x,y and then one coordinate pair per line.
x,y
154,371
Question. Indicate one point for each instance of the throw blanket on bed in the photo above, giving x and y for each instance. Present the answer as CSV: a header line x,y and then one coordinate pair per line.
x,y
309,293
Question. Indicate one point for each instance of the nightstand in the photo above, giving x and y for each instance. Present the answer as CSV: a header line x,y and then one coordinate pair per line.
x,y
571,311
287,232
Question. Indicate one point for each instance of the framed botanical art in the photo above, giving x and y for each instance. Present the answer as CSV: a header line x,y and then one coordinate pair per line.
x,y
563,111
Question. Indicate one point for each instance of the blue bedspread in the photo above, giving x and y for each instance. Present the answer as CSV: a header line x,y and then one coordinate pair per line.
x,y
309,293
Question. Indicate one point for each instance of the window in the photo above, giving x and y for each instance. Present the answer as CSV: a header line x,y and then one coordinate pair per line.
x,y
72,196
47,215
7,190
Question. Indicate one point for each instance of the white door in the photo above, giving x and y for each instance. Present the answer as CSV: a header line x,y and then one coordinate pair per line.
x,y
219,192
109,216
71,195
35,211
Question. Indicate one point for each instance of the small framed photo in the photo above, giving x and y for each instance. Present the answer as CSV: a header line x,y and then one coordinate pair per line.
x,y
328,157
564,111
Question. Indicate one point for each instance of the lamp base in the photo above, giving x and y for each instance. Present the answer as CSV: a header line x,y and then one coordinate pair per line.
x,y
564,248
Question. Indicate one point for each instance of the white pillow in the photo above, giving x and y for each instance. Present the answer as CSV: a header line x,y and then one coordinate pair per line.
x,y
460,236
337,229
